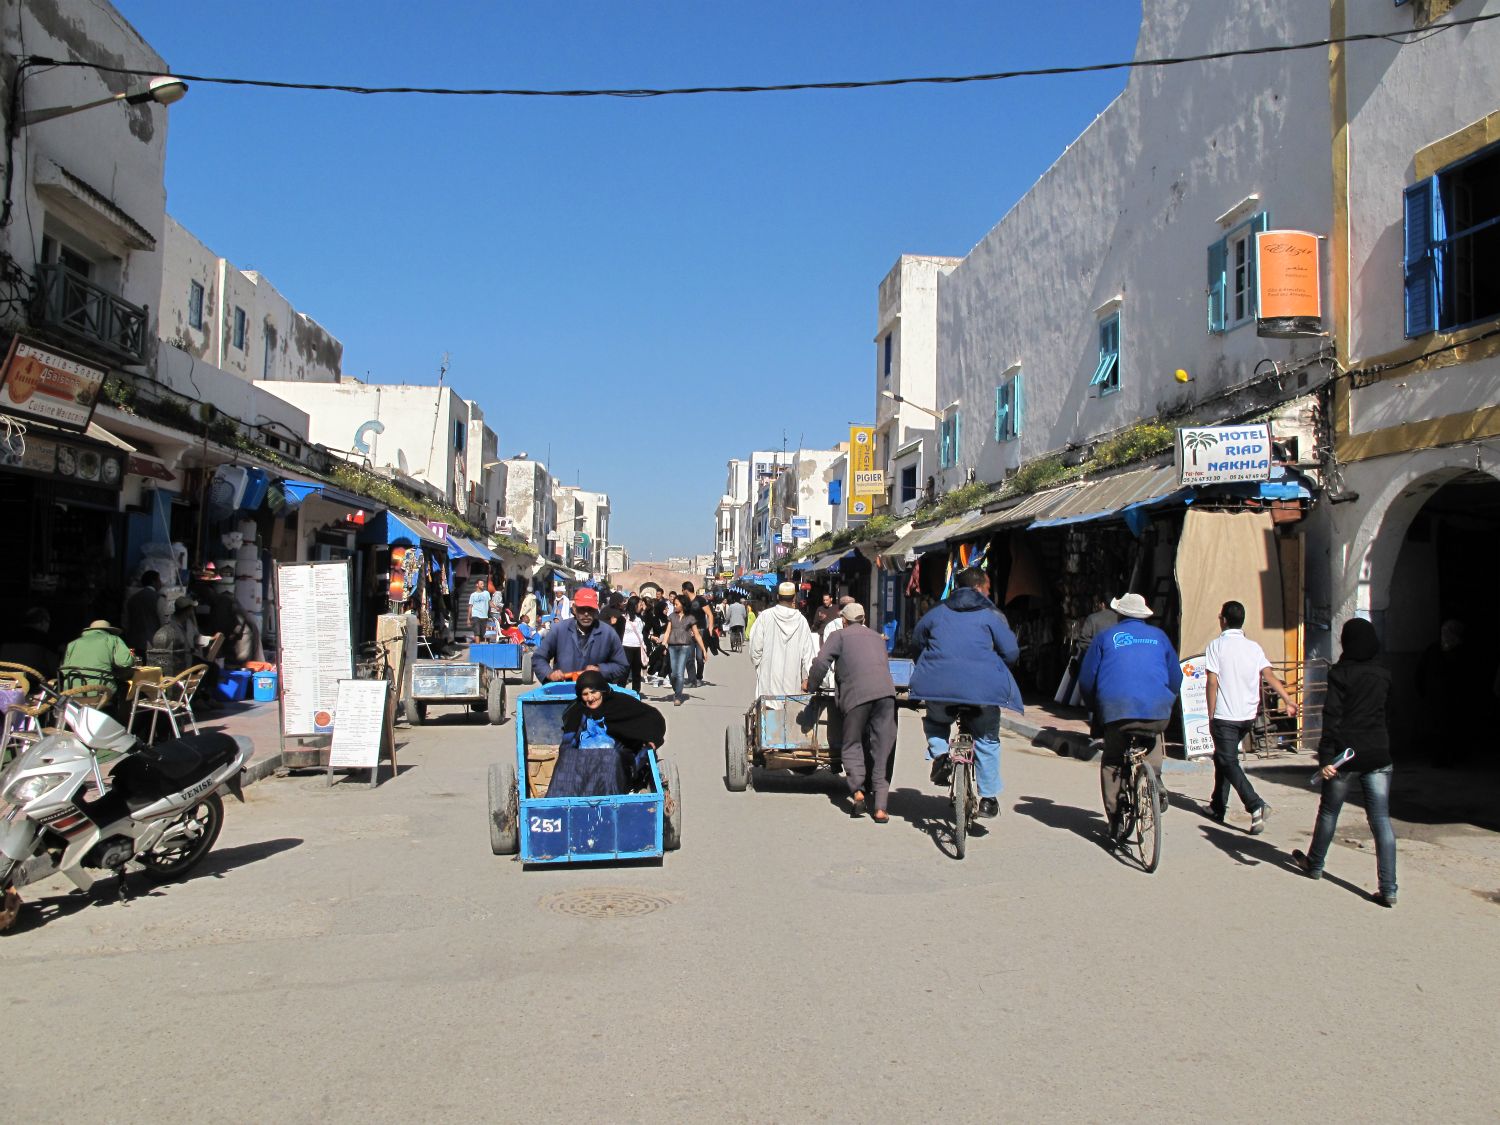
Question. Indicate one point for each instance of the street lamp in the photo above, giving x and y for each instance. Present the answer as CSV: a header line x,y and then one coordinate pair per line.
x,y
163,90
939,415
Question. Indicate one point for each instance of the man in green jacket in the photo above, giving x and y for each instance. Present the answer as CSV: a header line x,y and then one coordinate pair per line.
x,y
98,656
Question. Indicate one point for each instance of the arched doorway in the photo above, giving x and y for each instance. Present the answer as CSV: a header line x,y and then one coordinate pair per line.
x,y
1441,540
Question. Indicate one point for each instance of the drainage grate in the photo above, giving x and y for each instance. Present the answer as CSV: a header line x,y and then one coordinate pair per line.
x,y
609,902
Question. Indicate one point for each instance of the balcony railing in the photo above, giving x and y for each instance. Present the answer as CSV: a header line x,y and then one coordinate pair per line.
x,y
93,318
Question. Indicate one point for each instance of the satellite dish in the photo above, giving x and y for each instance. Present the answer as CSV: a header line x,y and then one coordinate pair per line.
x,y
401,462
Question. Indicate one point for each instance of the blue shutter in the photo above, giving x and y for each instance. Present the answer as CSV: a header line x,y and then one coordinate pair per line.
x,y
1258,223
1016,399
836,492
1002,411
1217,264
1423,227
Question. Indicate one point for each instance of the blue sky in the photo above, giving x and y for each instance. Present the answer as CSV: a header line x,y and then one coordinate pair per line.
x,y
647,287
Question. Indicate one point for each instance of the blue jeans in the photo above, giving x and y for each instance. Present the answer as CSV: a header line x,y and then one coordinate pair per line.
x,y
1377,787
938,721
678,655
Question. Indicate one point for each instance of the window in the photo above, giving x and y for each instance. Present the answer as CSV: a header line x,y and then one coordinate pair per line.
x,y
458,434
889,352
909,484
1008,409
1452,243
1107,374
948,442
195,305
241,328
268,343
1231,276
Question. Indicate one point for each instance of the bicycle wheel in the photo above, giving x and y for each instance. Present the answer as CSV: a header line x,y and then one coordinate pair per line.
x,y
959,794
1145,793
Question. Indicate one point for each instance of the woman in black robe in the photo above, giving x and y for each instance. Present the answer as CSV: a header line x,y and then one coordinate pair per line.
x,y
605,733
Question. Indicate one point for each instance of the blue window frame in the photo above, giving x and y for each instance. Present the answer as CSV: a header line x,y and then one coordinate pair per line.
x,y
948,442
1107,374
1452,241
1008,409
1233,299
195,305
241,327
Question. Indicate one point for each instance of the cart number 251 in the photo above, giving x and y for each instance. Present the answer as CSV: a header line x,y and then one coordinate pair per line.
x,y
546,824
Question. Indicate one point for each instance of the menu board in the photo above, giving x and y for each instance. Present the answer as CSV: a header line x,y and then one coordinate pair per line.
x,y
360,724
312,605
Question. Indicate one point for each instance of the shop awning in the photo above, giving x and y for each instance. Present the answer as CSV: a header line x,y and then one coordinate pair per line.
x,y
825,562
388,527
484,552
1110,496
297,491
920,539
461,548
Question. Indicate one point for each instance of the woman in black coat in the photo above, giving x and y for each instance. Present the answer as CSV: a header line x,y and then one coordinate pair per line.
x,y
1354,719
604,733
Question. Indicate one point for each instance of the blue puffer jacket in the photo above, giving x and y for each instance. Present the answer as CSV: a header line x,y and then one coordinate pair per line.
x,y
562,650
1130,672
963,647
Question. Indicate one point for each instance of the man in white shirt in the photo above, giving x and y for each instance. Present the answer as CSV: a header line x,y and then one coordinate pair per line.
x,y
1236,668
562,608
479,609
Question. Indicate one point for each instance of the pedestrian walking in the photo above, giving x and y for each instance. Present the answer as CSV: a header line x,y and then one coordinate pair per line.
x,y
633,637
479,610
867,702
825,613
782,647
681,638
1237,667
703,616
143,613
1354,721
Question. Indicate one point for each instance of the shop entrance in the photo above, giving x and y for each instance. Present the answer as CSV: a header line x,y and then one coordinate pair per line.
x,y
1442,609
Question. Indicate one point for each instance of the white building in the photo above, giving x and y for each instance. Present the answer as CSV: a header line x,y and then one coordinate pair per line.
x,y
906,399
616,559
528,510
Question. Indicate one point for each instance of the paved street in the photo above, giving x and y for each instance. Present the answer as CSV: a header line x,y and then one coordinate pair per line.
x,y
350,955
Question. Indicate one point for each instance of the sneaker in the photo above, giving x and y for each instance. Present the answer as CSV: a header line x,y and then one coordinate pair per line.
x,y
942,770
989,807
1304,865
1385,900
1215,814
677,702
1258,819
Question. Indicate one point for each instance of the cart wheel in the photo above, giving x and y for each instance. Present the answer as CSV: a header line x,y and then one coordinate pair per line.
x,y
736,759
504,821
416,713
526,674
497,701
671,819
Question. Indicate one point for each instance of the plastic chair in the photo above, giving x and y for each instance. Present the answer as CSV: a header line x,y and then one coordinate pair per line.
x,y
172,696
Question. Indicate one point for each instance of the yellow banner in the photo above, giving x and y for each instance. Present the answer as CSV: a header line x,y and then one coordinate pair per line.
x,y
862,462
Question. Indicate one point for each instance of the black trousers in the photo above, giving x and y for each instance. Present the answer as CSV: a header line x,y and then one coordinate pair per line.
x,y
1112,763
869,746
633,658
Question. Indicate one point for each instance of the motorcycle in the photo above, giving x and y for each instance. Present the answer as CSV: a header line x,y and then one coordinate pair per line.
x,y
162,807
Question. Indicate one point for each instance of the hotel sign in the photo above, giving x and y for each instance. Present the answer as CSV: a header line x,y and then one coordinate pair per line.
x,y
1223,454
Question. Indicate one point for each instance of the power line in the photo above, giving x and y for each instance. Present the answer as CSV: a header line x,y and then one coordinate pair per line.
x,y
1399,37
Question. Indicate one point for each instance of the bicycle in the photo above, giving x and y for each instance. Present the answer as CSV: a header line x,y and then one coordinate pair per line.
x,y
1140,805
963,793
736,638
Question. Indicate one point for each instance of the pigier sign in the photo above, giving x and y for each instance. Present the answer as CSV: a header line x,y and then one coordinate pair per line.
x,y
1223,454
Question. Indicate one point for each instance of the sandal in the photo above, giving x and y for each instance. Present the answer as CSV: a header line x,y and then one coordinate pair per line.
x,y
857,808
880,816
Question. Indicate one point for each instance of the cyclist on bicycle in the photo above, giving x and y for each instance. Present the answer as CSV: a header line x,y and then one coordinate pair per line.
x,y
1130,678
734,617
964,646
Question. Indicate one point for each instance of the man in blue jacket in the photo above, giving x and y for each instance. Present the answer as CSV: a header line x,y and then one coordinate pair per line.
x,y
580,644
1130,678
964,645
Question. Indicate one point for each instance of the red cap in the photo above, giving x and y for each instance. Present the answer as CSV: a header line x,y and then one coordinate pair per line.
x,y
586,599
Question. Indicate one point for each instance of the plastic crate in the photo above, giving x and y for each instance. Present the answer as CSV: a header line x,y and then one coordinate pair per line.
x,y
233,686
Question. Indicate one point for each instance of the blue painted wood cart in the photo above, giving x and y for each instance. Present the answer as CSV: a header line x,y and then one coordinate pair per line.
x,y
544,829
780,732
476,683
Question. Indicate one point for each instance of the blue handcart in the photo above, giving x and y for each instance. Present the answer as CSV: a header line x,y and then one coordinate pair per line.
x,y
524,820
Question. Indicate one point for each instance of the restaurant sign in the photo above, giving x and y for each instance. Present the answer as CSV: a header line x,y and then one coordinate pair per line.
x,y
1223,454
62,460
38,382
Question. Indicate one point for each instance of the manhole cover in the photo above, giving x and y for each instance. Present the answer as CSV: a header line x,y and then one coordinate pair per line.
x,y
605,903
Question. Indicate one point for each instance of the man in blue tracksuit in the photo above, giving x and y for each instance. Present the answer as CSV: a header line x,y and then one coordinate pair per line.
x,y
579,644
1130,678
964,645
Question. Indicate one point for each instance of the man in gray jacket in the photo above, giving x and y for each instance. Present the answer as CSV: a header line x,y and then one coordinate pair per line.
x,y
867,699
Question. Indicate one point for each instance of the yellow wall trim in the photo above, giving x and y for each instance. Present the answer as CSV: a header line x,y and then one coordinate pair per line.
x,y
1427,434
1466,142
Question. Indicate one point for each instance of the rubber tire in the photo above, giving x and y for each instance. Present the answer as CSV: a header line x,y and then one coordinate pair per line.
x,y
166,872
505,822
528,677
960,792
736,758
495,707
671,826
416,713
1148,818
